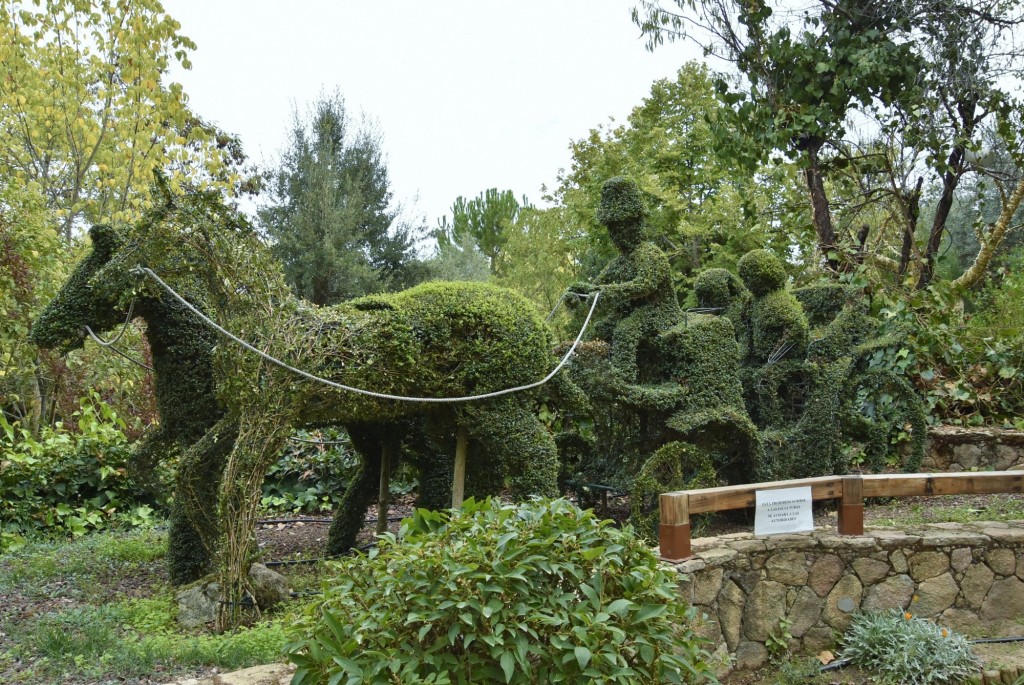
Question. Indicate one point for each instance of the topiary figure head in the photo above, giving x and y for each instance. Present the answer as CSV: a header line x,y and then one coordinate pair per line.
x,y
82,301
622,212
762,272
717,288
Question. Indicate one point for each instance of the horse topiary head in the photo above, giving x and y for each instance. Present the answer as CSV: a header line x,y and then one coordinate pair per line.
x,y
87,299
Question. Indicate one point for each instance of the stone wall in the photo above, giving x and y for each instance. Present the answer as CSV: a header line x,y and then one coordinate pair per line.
x,y
953,448
967,576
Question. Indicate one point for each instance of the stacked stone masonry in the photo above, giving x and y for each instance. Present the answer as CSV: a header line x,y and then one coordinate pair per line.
x,y
969,577
954,448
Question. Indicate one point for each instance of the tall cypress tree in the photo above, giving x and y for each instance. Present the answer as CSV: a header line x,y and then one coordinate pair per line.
x,y
330,213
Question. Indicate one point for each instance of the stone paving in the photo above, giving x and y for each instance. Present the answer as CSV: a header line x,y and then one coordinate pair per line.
x,y
272,674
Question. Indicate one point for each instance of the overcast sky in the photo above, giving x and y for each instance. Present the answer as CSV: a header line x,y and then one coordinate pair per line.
x,y
468,94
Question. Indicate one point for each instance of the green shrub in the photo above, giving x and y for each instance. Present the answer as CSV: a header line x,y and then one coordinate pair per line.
x,y
537,593
69,480
311,477
900,649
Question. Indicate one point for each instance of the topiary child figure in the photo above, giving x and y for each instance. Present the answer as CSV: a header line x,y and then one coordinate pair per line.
x,y
638,300
777,324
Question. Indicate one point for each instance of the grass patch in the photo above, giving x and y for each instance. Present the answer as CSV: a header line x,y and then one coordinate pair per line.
x,y
134,639
105,636
80,564
994,508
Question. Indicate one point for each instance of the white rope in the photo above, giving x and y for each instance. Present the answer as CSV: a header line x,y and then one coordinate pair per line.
x,y
110,346
305,374
124,327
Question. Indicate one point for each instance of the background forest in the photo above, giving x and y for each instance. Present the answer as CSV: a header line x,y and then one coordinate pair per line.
x,y
876,144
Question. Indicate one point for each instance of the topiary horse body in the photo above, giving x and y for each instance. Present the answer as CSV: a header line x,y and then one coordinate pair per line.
x,y
434,341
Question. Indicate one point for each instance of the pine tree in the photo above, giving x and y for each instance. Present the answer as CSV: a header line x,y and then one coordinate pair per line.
x,y
331,217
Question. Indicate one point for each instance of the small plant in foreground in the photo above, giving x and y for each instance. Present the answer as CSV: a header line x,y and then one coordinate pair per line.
x,y
778,640
536,593
899,648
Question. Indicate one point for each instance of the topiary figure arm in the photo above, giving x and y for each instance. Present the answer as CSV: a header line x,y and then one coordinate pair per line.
x,y
652,269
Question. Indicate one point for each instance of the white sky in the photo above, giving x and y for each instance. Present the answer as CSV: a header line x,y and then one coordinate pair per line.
x,y
468,94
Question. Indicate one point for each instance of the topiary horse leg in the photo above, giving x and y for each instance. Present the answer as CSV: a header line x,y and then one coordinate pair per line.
x,y
351,512
513,433
432,456
194,524
261,436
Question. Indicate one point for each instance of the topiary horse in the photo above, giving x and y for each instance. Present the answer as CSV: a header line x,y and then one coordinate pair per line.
x,y
437,340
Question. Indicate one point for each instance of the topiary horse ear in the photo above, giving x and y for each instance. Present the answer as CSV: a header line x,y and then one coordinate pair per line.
x,y
104,238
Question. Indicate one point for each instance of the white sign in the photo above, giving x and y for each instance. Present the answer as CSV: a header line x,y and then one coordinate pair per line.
x,y
783,511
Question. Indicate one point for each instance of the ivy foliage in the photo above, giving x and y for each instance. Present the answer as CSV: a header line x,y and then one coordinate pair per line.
x,y
68,480
536,593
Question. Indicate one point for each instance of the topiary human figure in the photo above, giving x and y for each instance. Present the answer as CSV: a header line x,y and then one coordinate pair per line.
x,y
778,327
721,292
812,391
638,300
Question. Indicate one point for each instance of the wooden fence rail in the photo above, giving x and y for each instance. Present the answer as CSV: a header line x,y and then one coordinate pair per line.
x,y
676,507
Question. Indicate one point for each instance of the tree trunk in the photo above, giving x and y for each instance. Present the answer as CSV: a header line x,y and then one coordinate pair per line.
x,y
973,275
911,212
34,402
950,180
821,213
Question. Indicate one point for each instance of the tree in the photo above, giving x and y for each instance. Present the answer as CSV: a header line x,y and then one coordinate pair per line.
x,y
541,257
458,262
485,220
86,113
920,75
330,214
705,210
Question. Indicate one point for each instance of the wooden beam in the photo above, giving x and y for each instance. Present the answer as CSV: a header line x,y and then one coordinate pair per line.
x,y
384,492
459,472
921,484
743,496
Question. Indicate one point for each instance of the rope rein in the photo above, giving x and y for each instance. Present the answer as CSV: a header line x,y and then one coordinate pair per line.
x,y
115,350
109,344
379,395
124,327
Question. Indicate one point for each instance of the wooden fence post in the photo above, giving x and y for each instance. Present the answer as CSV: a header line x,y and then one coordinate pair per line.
x,y
384,493
674,526
851,506
459,472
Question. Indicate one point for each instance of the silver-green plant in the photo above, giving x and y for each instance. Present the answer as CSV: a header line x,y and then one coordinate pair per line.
x,y
898,648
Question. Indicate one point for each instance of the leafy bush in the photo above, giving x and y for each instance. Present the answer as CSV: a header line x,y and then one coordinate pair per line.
x,y
901,649
966,366
311,476
536,593
69,480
